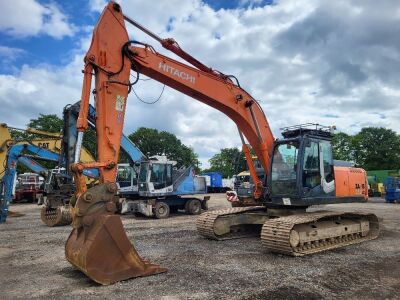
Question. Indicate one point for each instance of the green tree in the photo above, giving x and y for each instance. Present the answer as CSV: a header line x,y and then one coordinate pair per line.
x,y
90,141
377,148
153,142
372,148
49,123
229,161
343,146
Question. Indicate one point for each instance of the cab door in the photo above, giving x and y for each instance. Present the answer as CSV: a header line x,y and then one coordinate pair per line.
x,y
326,167
124,176
311,173
317,169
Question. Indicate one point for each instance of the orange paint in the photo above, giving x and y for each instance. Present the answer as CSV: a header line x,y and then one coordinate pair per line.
x,y
351,182
104,58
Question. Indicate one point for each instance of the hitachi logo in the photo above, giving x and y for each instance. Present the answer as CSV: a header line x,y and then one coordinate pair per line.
x,y
176,72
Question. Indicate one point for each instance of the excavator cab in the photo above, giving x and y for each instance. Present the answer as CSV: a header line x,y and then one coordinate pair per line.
x,y
302,168
156,176
127,179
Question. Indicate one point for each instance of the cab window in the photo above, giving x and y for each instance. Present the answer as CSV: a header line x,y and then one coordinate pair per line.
x,y
311,171
326,150
284,165
169,174
158,175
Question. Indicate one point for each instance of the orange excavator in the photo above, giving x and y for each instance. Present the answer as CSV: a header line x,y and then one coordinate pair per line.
x,y
298,170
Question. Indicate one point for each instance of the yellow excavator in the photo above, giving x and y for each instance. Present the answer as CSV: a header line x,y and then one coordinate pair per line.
x,y
48,140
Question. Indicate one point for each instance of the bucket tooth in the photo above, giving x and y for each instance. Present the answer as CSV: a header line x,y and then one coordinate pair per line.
x,y
101,249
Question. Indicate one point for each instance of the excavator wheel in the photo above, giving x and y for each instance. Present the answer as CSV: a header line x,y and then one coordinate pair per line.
x,y
98,244
161,210
59,216
193,207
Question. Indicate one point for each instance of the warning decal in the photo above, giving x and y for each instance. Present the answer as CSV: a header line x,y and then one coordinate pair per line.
x,y
119,103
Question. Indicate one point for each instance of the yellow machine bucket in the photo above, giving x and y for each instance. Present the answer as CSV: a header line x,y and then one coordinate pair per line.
x,y
101,249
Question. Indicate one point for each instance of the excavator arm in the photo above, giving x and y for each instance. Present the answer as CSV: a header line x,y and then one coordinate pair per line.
x,y
112,58
46,140
98,244
171,45
219,93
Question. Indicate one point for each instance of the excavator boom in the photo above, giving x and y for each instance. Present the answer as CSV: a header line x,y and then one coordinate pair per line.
x,y
98,244
221,94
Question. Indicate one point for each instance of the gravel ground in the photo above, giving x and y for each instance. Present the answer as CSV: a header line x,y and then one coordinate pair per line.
x,y
32,263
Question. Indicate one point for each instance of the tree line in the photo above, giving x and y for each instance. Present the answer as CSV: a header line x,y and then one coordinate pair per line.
x,y
150,141
373,148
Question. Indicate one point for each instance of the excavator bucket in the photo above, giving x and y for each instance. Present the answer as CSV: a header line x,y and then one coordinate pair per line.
x,y
99,247
58,216
104,253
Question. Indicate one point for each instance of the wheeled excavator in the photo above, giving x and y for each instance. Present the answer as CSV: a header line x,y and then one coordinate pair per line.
x,y
298,169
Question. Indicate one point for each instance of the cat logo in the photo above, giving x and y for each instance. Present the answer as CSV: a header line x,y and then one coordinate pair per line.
x,y
44,145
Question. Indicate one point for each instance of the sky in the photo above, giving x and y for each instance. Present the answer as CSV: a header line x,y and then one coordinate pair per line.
x,y
328,62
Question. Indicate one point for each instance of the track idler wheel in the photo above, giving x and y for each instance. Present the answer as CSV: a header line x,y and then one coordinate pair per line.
x,y
98,244
59,216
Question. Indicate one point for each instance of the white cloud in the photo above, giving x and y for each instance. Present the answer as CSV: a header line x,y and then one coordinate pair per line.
x,y
22,18
306,61
10,53
250,2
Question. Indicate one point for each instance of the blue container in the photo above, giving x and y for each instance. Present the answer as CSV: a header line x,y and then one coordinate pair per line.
x,y
215,179
392,189
390,195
